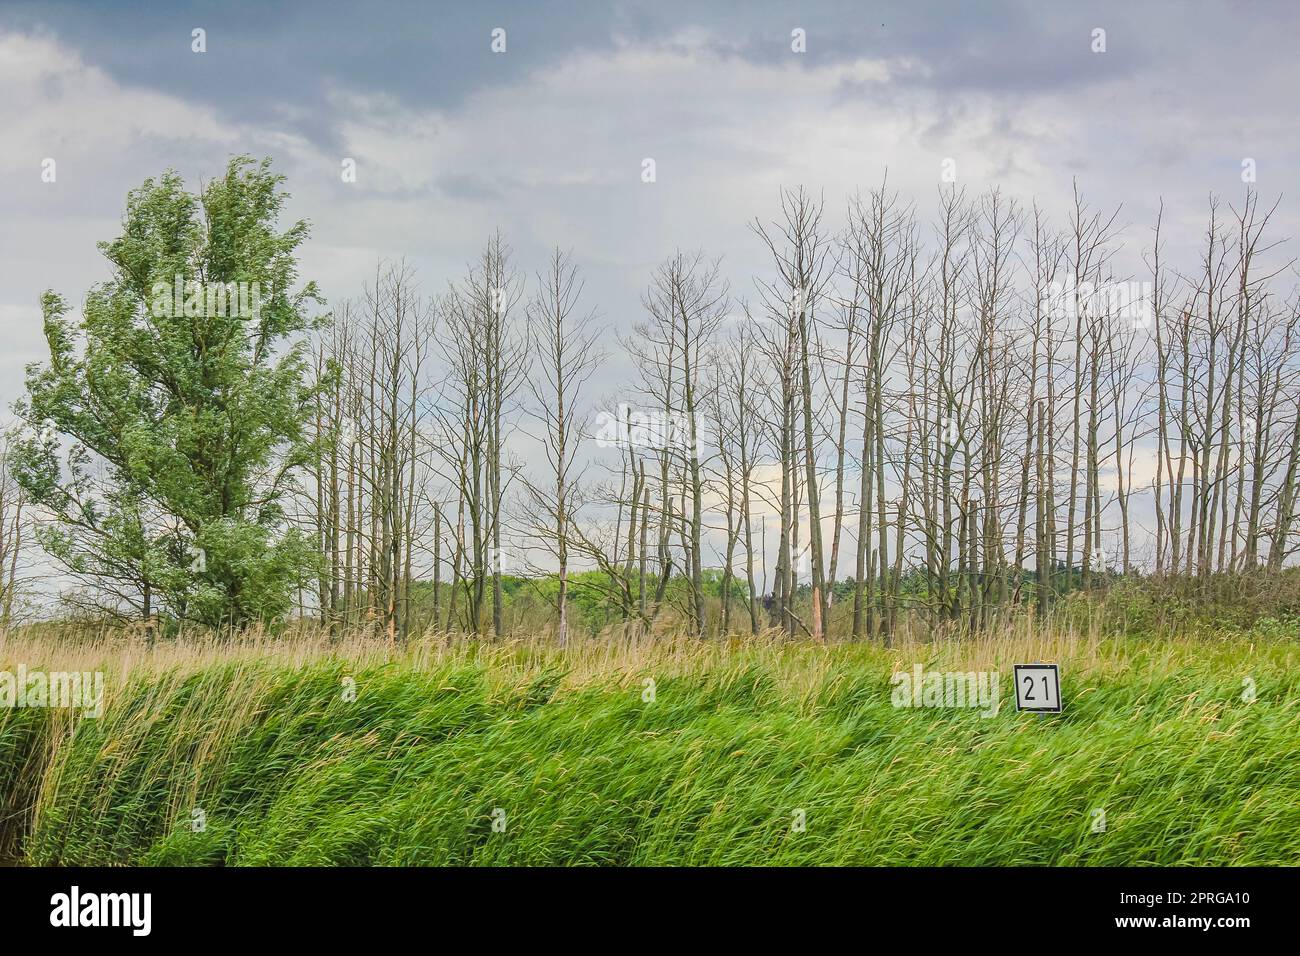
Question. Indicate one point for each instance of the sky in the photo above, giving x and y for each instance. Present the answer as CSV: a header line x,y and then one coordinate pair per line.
x,y
547,140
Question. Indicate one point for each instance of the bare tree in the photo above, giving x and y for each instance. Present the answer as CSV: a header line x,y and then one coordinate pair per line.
x,y
564,345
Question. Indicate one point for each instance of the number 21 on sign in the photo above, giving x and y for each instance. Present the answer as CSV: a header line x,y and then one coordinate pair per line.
x,y
1038,688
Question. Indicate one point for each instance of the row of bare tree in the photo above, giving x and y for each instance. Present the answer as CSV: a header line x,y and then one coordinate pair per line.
x,y
943,421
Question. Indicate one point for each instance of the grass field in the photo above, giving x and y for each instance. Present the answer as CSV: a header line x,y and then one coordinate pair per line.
x,y
747,753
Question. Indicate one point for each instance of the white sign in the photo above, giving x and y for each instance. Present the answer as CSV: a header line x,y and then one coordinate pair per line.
x,y
1038,688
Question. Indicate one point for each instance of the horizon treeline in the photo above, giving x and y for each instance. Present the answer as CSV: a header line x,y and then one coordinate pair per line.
x,y
939,418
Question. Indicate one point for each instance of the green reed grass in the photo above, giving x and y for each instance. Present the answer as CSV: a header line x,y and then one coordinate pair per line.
x,y
740,736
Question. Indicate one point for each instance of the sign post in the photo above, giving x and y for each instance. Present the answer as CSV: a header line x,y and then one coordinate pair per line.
x,y
1038,688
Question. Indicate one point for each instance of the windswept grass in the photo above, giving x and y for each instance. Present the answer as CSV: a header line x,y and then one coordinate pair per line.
x,y
261,738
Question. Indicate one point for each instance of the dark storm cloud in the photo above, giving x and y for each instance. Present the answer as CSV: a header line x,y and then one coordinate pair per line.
x,y
277,64
299,68
270,63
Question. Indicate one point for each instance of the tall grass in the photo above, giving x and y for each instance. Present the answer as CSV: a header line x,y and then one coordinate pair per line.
x,y
260,736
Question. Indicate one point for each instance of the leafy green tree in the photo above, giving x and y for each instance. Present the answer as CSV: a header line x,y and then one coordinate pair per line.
x,y
166,431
